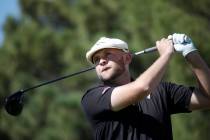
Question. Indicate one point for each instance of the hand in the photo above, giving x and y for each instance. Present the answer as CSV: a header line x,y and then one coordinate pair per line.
x,y
182,43
165,46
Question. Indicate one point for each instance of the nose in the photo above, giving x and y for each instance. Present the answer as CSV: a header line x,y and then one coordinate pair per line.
x,y
103,61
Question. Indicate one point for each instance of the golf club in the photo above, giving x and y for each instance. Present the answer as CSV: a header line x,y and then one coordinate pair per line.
x,y
14,103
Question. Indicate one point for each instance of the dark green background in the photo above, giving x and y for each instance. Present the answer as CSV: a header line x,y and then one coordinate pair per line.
x,y
51,38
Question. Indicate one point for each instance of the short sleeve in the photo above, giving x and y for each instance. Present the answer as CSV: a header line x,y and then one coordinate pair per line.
x,y
97,101
179,97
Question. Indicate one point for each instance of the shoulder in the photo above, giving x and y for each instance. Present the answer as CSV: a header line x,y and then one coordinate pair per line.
x,y
170,89
97,100
175,88
98,90
167,86
164,90
163,87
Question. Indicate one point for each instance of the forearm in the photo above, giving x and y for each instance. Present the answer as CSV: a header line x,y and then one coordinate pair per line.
x,y
201,70
153,75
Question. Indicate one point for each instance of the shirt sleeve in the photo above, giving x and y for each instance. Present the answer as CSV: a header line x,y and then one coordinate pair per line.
x,y
97,101
179,97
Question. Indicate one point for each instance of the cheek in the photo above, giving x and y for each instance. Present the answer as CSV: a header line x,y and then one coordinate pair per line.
x,y
97,70
121,61
117,58
118,62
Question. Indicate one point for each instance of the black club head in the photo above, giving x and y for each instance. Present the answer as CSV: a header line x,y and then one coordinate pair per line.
x,y
14,103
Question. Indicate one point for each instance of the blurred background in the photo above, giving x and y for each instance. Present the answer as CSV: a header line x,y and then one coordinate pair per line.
x,y
44,39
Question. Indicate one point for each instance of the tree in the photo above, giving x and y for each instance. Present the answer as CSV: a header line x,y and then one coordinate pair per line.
x,y
51,38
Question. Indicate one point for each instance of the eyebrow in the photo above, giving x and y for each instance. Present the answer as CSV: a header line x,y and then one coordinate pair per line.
x,y
98,53
103,51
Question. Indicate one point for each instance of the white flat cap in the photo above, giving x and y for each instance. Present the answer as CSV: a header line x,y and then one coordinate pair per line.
x,y
104,43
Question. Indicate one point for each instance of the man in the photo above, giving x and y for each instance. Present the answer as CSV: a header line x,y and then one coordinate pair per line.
x,y
140,109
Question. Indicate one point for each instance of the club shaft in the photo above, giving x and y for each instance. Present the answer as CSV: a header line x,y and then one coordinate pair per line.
x,y
58,79
149,50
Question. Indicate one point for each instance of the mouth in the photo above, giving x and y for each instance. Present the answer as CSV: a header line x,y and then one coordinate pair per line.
x,y
105,69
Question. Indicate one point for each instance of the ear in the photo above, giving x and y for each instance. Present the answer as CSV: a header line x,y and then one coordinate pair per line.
x,y
127,58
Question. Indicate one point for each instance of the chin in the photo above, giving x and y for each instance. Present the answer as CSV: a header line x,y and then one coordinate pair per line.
x,y
108,77
105,78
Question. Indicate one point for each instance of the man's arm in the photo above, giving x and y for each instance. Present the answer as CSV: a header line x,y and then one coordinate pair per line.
x,y
201,96
131,93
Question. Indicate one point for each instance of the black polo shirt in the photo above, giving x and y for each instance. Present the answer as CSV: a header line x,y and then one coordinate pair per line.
x,y
149,119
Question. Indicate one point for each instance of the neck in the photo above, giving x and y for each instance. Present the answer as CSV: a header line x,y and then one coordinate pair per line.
x,y
123,79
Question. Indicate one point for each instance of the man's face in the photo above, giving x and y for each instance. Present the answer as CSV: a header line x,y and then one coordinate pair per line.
x,y
110,64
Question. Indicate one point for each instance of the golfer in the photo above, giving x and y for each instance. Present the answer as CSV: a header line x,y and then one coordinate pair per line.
x,y
123,108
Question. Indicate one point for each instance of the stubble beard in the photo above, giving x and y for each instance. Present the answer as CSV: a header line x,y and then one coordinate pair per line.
x,y
113,74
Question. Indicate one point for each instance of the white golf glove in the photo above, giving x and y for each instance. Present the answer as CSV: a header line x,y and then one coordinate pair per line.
x,y
182,43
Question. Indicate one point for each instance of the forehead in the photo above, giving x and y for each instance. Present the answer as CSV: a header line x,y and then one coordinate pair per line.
x,y
103,51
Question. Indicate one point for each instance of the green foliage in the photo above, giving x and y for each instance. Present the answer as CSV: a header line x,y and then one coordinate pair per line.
x,y
51,39
195,126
